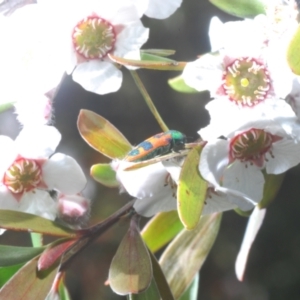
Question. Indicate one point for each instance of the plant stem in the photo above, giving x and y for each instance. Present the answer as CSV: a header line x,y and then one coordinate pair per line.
x,y
88,235
148,100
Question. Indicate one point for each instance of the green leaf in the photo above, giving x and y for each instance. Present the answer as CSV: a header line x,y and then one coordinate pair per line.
x,y
155,58
19,221
63,292
131,270
101,135
178,84
186,254
7,272
241,8
160,279
271,188
159,52
161,229
150,294
11,255
192,292
293,57
104,174
148,64
28,283
191,191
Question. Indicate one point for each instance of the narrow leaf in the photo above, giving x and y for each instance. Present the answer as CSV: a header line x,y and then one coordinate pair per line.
x,y
150,294
191,192
160,279
186,254
11,255
155,58
178,84
161,229
19,221
131,270
7,272
241,8
28,284
63,292
101,135
192,292
159,52
293,57
104,174
154,65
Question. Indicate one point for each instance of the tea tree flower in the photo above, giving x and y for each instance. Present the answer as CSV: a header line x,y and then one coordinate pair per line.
x,y
245,88
236,163
28,174
88,31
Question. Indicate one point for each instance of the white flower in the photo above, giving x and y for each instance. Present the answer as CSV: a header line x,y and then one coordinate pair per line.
x,y
236,163
244,80
254,224
246,88
157,9
27,174
87,31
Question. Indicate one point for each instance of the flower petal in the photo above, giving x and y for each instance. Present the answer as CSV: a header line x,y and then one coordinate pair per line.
x,y
217,202
8,153
248,180
131,38
162,201
213,160
39,203
99,77
63,173
37,141
162,9
7,201
205,73
145,182
254,224
285,155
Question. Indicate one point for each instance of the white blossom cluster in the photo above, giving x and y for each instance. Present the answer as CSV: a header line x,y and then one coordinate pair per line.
x,y
254,120
39,43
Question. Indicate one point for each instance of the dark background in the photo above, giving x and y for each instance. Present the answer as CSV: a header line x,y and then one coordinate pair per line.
x,y
273,270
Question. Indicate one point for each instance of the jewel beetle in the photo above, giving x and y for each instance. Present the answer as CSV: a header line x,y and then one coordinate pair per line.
x,y
157,145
